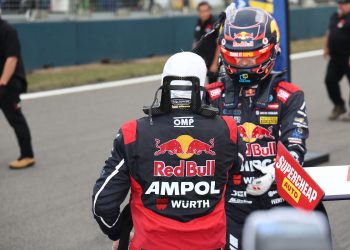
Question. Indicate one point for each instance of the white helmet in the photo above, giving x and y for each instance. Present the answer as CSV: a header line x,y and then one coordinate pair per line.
x,y
184,64
182,82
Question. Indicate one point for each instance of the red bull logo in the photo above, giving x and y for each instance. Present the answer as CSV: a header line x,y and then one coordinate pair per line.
x,y
250,132
243,35
184,147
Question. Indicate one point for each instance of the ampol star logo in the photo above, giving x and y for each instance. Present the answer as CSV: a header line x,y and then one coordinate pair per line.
x,y
162,203
250,132
237,179
184,147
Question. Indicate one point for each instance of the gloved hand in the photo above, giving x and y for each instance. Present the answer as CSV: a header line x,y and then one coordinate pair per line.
x,y
214,90
262,184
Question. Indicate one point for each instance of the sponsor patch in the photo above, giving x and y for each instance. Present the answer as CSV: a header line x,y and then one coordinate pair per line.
x,y
237,179
239,201
181,188
162,203
248,166
283,95
295,140
277,201
262,112
273,106
183,122
250,132
184,147
186,204
256,150
267,120
184,169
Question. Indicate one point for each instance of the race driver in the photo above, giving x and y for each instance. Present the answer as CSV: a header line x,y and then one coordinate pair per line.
x,y
176,162
267,109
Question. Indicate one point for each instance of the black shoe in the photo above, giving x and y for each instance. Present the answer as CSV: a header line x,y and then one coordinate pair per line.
x,y
336,112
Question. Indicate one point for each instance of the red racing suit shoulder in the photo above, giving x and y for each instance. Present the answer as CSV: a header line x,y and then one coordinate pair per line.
x,y
129,131
285,90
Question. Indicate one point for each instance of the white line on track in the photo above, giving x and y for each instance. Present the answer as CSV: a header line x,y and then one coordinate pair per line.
x,y
307,54
132,81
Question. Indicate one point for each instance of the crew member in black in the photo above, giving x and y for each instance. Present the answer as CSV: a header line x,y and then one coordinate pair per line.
x,y
337,47
210,52
12,83
176,162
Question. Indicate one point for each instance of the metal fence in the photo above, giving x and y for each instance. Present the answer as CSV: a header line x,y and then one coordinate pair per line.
x,y
31,10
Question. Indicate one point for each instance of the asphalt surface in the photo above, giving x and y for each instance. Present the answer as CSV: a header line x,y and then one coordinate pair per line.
x,y
49,206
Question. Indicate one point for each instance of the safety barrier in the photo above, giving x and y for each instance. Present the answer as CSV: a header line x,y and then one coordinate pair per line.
x,y
47,44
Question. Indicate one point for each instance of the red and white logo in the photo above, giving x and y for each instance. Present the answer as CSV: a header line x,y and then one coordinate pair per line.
x,y
283,95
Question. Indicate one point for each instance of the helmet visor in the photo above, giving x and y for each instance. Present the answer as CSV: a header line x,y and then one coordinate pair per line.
x,y
246,59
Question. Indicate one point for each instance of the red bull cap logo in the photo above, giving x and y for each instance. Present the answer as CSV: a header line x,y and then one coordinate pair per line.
x,y
184,147
243,35
250,132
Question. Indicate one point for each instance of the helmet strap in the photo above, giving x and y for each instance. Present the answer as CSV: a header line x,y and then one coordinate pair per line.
x,y
165,106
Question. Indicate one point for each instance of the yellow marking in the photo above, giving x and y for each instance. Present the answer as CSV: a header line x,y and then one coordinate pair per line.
x,y
268,5
293,192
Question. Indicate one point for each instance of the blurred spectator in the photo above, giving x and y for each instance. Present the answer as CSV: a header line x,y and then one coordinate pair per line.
x,y
204,25
186,5
337,47
286,229
13,82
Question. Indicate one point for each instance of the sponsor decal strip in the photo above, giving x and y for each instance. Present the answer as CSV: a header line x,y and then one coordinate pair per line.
x,y
293,182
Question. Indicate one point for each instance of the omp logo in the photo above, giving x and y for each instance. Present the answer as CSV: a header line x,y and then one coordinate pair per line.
x,y
183,122
291,190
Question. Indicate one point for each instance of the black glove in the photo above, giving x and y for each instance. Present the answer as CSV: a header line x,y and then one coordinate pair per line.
x,y
126,222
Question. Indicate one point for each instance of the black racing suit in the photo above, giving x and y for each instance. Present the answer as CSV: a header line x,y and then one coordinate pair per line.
x,y
177,170
271,112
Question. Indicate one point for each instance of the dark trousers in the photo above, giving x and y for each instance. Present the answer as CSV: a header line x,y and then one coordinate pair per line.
x,y
10,106
337,68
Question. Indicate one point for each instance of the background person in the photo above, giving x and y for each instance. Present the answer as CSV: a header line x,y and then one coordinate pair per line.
x,y
13,82
177,171
210,52
337,47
